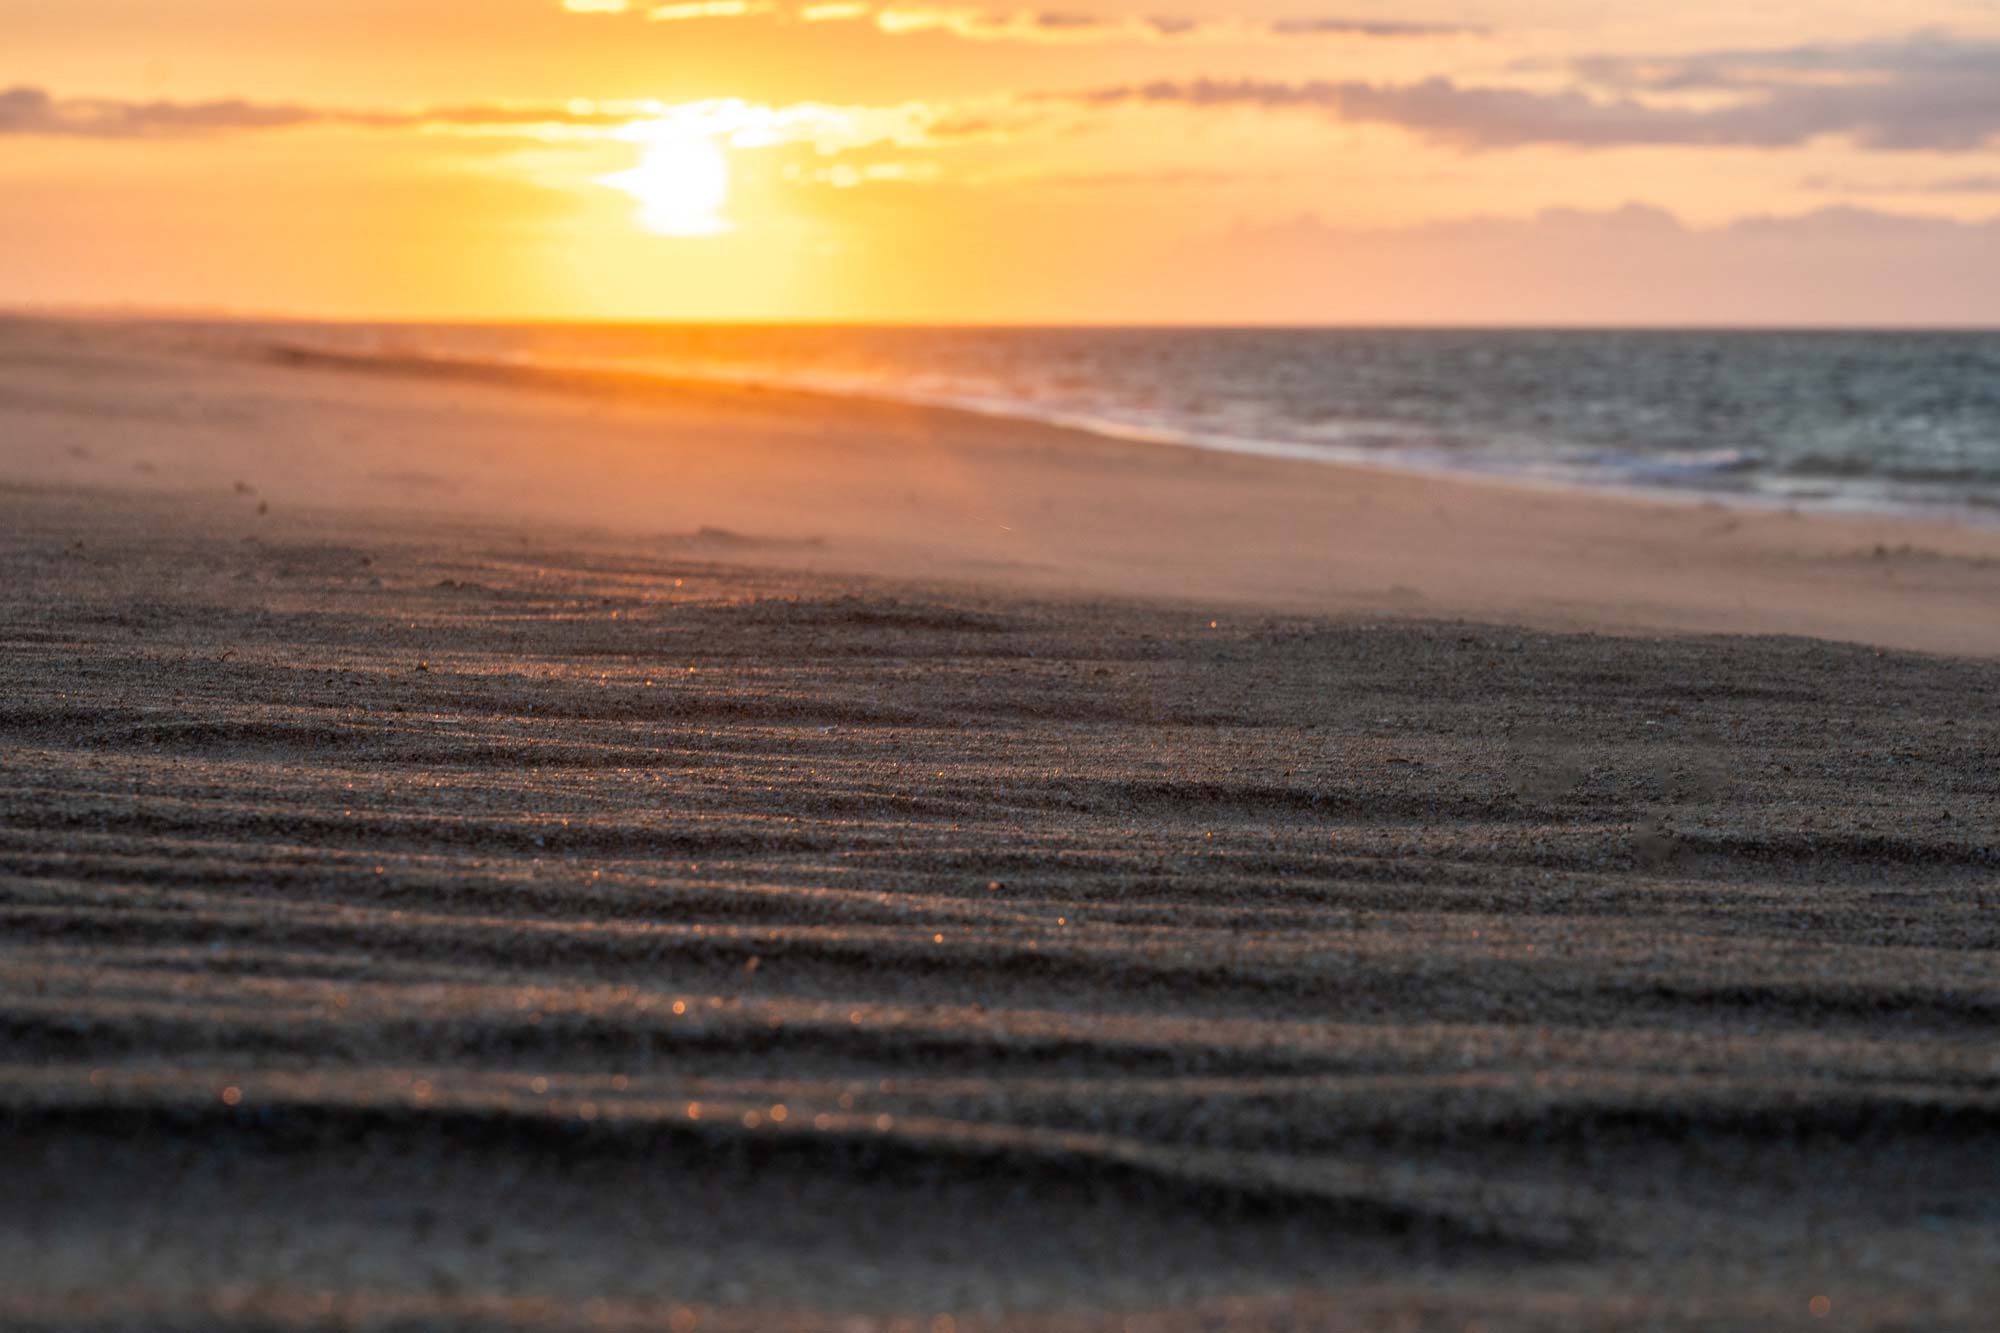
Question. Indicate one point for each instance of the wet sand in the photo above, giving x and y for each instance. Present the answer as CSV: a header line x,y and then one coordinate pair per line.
x,y
468,893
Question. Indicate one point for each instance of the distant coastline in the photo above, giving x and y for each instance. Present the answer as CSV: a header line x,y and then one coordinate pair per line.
x,y
1830,420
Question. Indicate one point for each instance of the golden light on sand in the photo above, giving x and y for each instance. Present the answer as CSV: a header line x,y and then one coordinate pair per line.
x,y
681,184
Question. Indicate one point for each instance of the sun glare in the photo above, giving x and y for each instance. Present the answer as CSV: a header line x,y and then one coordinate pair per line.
x,y
681,184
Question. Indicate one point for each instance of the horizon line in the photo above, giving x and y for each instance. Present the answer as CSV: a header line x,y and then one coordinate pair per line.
x,y
141,314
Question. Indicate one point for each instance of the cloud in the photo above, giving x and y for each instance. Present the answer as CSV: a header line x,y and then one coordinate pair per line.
x,y
34,111
1063,26
706,9
1926,89
1926,93
1927,53
981,25
1982,183
1439,109
673,10
975,23
1351,27
847,176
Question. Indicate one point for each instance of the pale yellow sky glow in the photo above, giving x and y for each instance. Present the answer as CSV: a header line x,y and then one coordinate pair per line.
x,y
1254,162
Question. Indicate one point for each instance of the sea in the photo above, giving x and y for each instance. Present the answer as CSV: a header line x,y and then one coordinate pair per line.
x,y
1846,420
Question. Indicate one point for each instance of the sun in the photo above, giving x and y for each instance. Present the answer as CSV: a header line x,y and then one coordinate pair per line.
x,y
681,184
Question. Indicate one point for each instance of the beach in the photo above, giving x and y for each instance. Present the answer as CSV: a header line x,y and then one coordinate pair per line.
x,y
498,847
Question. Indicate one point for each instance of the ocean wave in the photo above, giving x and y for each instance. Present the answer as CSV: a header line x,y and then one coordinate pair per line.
x,y
1527,409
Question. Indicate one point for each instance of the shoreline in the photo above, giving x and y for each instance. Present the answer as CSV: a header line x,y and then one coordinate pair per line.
x,y
1529,475
895,489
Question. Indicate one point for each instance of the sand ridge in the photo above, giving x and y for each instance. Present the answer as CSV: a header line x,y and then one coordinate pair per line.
x,y
413,928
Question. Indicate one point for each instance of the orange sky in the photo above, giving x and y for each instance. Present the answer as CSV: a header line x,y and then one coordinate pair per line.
x,y
1425,161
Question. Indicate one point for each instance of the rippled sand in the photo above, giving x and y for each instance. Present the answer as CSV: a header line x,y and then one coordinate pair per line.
x,y
827,893
411,930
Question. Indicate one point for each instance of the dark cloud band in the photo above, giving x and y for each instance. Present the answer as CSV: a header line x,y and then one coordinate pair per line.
x,y
35,111
1926,92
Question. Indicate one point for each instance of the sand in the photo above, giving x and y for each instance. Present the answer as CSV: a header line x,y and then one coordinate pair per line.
x,y
548,851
